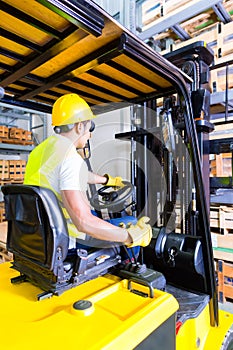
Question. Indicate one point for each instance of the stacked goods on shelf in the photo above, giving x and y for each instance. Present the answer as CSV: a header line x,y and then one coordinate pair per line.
x,y
217,36
221,165
11,171
225,281
4,131
4,170
151,10
2,212
15,136
221,223
221,219
17,170
223,246
154,10
204,27
4,254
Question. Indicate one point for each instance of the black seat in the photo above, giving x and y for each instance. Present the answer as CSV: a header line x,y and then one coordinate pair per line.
x,y
39,240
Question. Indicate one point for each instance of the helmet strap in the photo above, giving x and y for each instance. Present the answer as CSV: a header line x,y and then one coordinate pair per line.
x,y
63,128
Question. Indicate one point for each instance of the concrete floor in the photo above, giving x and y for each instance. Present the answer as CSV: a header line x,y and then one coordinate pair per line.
x,y
227,306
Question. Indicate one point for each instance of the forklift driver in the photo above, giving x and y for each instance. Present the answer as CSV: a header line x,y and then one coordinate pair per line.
x,y
55,164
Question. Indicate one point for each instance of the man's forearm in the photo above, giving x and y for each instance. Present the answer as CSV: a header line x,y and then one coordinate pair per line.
x,y
103,230
96,179
78,208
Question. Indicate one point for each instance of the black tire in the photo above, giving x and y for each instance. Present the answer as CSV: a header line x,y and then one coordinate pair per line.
x,y
228,341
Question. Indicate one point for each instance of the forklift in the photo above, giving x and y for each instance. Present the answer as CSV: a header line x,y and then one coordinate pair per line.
x,y
164,298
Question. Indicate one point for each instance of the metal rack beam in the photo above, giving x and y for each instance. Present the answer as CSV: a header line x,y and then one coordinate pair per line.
x,y
163,23
17,149
221,12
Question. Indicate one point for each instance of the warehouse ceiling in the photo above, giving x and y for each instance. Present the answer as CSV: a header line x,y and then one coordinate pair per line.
x,y
50,48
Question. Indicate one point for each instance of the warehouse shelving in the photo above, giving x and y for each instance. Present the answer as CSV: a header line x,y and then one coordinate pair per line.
x,y
15,149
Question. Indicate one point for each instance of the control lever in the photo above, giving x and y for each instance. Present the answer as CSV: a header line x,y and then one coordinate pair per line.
x,y
141,274
81,261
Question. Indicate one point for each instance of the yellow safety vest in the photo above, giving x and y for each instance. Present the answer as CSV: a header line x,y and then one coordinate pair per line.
x,y
42,168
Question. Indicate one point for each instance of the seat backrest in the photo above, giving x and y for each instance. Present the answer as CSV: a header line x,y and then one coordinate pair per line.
x,y
36,224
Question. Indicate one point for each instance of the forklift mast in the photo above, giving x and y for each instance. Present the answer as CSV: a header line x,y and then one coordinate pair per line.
x,y
170,170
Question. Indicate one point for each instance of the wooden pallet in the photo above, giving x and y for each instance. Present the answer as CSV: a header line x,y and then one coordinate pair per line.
x,y
4,131
20,134
15,133
16,141
27,136
15,136
153,10
221,219
17,169
221,165
225,280
4,254
4,169
12,171
222,241
148,15
11,182
2,212
223,254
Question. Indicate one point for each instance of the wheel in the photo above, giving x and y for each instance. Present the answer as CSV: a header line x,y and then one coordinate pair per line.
x,y
228,341
112,199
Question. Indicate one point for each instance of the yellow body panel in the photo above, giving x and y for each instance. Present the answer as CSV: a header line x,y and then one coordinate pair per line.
x,y
197,333
118,319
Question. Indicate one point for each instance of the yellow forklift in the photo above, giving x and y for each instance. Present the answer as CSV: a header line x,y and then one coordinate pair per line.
x,y
166,298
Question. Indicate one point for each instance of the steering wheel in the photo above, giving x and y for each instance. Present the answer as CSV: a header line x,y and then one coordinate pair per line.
x,y
112,199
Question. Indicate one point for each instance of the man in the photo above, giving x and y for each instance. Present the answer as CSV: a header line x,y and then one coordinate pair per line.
x,y
55,164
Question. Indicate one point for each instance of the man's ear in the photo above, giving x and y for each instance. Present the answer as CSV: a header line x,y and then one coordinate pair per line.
x,y
79,127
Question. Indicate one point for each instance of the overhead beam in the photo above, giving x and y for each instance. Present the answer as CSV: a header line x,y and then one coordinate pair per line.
x,y
114,81
19,40
100,88
82,15
6,67
44,57
89,61
33,106
29,20
190,10
11,54
133,75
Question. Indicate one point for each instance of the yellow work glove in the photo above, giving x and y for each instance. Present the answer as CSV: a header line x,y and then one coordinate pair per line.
x,y
141,233
113,181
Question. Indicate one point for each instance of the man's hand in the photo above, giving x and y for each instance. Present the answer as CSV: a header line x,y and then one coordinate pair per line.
x,y
141,233
113,181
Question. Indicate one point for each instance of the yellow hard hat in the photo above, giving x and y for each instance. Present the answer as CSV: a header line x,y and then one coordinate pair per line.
x,y
70,109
